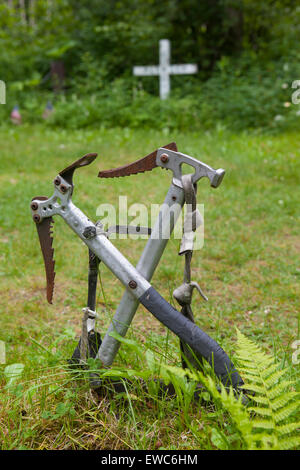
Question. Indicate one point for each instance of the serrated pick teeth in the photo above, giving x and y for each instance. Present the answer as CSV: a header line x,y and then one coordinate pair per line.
x,y
45,232
140,166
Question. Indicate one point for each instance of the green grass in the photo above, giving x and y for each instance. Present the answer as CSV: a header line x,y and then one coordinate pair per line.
x,y
249,268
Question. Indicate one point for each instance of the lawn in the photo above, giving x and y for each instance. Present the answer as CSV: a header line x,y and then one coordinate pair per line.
x,y
249,268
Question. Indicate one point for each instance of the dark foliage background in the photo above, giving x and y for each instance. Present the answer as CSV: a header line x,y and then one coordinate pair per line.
x,y
247,54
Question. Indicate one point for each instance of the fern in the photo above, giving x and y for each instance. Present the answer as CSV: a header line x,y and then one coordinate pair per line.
x,y
273,400
268,423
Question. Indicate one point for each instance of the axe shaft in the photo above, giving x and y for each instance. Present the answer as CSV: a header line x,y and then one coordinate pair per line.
x,y
104,249
146,267
142,290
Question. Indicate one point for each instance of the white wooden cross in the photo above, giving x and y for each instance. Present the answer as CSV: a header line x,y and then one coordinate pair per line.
x,y
164,69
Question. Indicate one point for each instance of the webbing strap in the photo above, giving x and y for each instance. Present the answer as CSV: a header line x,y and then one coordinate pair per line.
x,y
183,294
192,218
84,337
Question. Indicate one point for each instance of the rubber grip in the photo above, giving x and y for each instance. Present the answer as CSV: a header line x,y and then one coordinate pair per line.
x,y
191,334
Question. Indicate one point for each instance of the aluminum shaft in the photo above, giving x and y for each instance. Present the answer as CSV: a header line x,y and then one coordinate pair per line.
x,y
146,267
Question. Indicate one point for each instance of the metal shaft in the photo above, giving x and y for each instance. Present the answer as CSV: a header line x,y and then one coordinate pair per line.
x,y
146,266
104,249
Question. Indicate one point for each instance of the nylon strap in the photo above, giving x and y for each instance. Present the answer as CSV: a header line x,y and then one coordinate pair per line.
x,y
192,218
191,222
183,294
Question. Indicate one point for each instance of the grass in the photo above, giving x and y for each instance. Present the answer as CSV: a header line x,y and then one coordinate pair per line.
x,y
249,268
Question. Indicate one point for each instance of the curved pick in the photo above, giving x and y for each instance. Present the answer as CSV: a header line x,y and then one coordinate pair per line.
x,y
144,164
68,172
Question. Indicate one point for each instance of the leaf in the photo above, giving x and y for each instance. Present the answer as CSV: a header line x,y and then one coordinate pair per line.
x,y
262,400
287,428
272,368
114,373
273,397
152,364
261,411
46,414
285,412
279,389
273,378
219,440
253,388
131,343
57,52
263,423
290,443
12,372
282,400
63,409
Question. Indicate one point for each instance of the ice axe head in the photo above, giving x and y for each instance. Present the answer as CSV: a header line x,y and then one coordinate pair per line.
x,y
174,160
43,208
169,158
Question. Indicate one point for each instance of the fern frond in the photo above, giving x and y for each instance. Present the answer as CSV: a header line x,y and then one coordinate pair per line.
x,y
274,405
233,405
252,387
285,412
261,411
254,377
288,428
263,423
290,443
266,442
279,389
258,399
272,368
274,402
282,400
267,422
273,378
